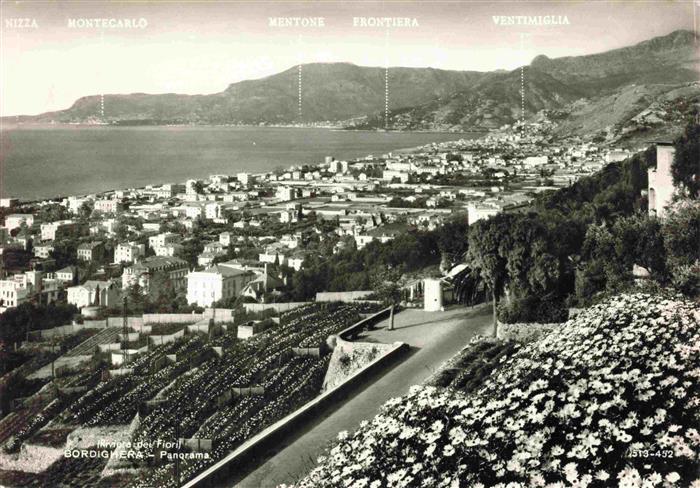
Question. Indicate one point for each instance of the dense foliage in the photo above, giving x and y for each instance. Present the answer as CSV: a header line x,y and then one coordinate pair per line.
x,y
16,322
686,163
376,263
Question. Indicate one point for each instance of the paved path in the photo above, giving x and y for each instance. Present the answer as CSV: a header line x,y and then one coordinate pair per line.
x,y
434,337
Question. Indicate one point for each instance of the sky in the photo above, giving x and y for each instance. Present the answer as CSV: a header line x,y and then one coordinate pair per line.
x,y
49,58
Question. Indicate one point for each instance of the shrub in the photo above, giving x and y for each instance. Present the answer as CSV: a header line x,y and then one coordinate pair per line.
x,y
533,309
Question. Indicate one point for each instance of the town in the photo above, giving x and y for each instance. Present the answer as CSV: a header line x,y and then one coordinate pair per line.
x,y
214,241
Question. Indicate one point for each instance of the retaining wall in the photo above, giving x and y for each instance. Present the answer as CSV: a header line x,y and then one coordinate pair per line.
x,y
247,331
366,323
342,296
135,322
277,307
218,314
171,318
165,339
357,353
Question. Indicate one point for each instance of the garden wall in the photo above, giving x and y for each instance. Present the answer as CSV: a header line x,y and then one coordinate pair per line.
x,y
259,445
135,322
358,354
164,339
218,314
277,307
171,318
249,330
71,328
342,296
366,323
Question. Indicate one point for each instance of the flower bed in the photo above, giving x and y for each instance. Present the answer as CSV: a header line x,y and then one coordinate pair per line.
x,y
609,398
468,369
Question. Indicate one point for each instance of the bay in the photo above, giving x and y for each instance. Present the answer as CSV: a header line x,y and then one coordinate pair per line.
x,y
43,162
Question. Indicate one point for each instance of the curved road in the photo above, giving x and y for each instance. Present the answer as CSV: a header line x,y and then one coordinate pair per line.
x,y
434,337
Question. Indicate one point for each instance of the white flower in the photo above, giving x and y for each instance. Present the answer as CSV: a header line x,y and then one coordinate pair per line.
x,y
672,477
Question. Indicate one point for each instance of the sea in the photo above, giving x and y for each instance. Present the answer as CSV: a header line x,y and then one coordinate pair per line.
x,y
38,162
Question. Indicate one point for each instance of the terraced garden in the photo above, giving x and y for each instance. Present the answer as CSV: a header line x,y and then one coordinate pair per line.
x,y
195,391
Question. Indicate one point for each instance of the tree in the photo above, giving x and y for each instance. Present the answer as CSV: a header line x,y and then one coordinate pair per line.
x,y
452,239
681,233
198,187
685,168
485,240
85,210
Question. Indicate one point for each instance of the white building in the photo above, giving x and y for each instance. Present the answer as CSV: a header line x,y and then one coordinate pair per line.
x,y
103,293
286,193
296,262
478,212
9,202
128,252
43,250
245,178
13,221
339,166
213,210
12,294
532,161
168,250
163,239
389,175
272,257
225,239
660,191
66,274
173,272
216,283
58,229
433,300
108,206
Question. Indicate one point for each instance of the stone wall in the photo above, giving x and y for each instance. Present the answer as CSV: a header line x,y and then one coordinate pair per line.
x,y
277,307
350,357
342,296
172,318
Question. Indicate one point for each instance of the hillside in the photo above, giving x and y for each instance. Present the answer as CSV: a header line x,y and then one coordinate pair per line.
x,y
578,407
588,94
579,89
330,92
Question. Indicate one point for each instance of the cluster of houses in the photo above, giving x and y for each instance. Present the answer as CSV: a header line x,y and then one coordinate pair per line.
x,y
139,237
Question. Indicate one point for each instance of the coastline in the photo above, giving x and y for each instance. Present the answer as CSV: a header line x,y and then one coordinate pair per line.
x,y
59,197
67,125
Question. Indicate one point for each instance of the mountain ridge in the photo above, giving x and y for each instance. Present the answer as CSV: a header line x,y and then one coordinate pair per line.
x,y
350,95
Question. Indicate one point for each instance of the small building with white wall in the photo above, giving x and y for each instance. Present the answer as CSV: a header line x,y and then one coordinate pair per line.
x,y
432,293
660,190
